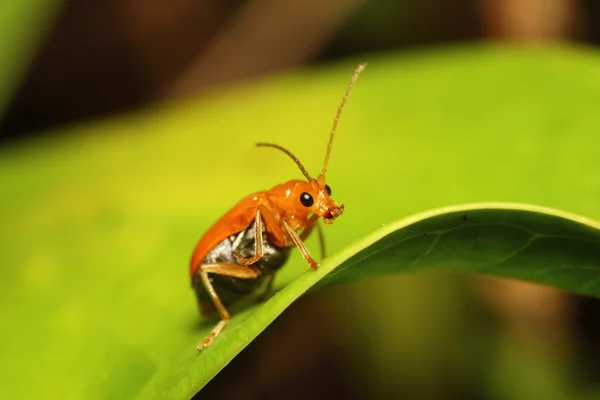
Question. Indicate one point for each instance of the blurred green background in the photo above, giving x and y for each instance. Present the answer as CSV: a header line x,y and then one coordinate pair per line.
x,y
127,128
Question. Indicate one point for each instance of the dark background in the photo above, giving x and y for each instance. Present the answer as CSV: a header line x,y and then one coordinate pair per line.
x,y
106,57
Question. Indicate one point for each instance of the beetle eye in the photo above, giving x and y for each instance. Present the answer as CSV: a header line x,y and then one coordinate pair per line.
x,y
306,199
328,189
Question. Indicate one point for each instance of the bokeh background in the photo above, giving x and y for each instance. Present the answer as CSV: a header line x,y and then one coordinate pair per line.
x,y
98,59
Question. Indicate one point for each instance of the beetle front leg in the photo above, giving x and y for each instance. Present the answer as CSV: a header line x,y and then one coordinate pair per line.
x,y
313,222
300,244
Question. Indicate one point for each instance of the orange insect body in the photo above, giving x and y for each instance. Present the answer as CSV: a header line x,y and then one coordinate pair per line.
x,y
224,266
282,201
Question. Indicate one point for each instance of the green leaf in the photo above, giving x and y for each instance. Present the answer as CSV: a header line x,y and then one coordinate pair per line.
x,y
22,24
514,240
99,221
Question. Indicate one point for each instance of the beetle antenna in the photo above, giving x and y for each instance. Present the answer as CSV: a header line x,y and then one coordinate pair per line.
x,y
357,72
289,153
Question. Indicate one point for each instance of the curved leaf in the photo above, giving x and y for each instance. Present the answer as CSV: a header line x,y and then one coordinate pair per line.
x,y
521,241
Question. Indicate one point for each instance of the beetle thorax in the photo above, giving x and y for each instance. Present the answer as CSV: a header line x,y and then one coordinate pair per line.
x,y
284,198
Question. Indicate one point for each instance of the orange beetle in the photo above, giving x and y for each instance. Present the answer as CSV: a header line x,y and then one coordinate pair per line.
x,y
243,250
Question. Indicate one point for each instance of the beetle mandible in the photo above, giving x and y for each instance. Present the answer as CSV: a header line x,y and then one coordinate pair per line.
x,y
242,251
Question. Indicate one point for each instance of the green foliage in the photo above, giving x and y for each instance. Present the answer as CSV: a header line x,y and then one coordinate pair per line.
x,y
99,221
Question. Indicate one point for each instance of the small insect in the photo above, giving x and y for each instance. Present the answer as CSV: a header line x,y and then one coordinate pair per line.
x,y
242,251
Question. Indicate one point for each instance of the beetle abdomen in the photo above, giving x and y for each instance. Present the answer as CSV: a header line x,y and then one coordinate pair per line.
x,y
229,288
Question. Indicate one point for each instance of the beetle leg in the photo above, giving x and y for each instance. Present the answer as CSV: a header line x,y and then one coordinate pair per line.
x,y
299,243
313,222
236,271
258,243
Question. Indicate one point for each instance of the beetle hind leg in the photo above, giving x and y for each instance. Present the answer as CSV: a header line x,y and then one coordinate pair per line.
x,y
236,271
213,334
